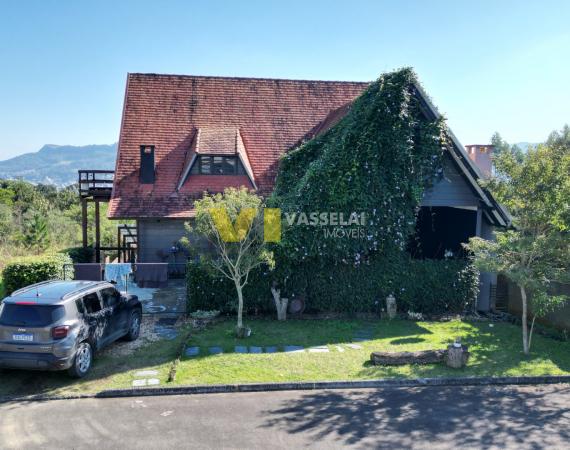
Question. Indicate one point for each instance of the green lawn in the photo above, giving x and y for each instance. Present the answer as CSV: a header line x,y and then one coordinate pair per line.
x,y
108,372
495,350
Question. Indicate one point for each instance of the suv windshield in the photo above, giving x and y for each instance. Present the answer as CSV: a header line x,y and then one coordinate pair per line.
x,y
30,315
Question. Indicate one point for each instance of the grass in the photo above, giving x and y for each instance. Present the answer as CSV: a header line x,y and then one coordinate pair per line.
x,y
108,372
495,350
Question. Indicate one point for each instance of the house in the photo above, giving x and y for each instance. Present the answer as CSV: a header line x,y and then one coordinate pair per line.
x,y
183,135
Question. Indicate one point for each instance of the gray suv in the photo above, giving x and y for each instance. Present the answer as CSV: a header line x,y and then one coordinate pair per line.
x,y
59,325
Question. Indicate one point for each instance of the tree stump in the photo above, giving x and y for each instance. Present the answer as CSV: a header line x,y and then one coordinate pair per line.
x,y
457,356
401,358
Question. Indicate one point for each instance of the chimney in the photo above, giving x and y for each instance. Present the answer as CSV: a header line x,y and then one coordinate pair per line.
x,y
481,156
146,174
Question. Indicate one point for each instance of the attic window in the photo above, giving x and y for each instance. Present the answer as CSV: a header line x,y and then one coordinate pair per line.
x,y
217,165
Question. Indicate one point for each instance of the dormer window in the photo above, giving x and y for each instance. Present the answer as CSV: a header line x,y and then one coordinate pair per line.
x,y
217,165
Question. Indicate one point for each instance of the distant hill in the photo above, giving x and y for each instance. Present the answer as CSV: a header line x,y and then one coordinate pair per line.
x,y
58,164
525,145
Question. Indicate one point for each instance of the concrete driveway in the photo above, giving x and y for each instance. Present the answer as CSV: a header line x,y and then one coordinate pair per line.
x,y
431,417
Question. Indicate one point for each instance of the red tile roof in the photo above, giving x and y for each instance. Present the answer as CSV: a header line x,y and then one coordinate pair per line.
x,y
269,116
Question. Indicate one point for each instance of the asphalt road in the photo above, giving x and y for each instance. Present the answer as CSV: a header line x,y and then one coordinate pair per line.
x,y
430,417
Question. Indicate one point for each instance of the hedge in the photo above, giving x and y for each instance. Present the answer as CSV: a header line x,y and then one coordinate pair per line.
x,y
426,286
28,270
80,254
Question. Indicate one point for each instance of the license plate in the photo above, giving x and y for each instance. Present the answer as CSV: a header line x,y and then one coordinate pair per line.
x,y
23,337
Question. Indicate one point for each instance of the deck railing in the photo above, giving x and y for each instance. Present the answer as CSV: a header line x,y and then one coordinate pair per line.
x,y
96,183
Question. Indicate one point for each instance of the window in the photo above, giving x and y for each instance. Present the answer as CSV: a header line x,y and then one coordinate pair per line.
x,y
110,297
217,165
92,303
30,315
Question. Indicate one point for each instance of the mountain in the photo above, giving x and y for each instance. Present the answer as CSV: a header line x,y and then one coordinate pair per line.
x,y
524,146
58,164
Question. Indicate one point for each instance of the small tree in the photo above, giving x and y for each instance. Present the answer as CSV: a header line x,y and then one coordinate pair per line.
x,y
535,187
233,224
35,235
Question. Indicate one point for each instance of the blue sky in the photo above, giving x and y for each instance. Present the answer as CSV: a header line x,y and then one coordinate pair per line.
x,y
488,65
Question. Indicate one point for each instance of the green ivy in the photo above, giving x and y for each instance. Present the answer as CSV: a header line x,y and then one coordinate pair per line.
x,y
377,160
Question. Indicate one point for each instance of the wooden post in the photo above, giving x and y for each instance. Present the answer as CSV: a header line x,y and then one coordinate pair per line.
x,y
478,224
118,243
84,221
97,233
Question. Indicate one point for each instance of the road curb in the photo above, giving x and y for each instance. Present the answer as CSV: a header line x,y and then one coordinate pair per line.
x,y
301,386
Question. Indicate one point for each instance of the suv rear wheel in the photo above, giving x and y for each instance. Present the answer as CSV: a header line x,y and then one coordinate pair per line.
x,y
82,361
134,326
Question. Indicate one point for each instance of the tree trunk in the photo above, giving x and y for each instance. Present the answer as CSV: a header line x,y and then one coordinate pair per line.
x,y
524,320
240,306
280,304
402,358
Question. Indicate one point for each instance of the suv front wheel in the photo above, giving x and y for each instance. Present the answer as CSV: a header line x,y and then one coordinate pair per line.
x,y
134,326
82,361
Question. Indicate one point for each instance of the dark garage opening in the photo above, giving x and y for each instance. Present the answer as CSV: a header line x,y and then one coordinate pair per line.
x,y
441,229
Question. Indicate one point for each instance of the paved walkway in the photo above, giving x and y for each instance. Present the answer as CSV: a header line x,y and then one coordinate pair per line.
x,y
168,300
521,417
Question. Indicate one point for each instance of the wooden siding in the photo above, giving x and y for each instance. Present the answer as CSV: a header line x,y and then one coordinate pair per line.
x,y
452,190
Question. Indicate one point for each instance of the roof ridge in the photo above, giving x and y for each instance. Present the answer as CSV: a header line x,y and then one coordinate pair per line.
x,y
219,77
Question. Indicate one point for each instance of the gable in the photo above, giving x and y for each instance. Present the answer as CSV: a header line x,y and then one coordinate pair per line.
x,y
451,190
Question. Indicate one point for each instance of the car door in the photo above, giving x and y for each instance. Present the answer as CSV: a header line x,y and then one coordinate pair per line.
x,y
98,318
118,323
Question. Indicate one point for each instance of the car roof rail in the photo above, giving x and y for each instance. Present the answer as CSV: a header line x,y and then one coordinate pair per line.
x,y
80,290
30,287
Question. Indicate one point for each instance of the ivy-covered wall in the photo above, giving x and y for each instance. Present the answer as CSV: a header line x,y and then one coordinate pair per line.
x,y
376,162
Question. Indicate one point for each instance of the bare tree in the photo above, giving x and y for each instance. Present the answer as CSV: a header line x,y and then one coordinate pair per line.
x,y
233,224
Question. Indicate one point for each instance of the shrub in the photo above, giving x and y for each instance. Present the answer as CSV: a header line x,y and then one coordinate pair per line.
x,y
28,270
209,290
425,286
80,254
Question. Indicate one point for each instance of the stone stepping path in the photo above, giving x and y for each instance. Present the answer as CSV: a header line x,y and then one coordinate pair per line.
x,y
354,346
293,349
164,327
146,373
140,382
363,335
320,349
191,352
